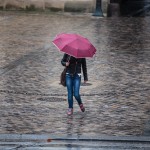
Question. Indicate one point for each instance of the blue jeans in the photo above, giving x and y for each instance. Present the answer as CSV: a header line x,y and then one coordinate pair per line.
x,y
73,86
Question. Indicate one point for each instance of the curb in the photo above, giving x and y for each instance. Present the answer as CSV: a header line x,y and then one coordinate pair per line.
x,y
45,137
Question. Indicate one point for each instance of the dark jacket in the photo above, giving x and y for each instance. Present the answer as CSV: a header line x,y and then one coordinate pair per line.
x,y
75,65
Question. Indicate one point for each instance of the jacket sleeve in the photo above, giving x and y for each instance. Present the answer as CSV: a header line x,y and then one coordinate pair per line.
x,y
64,60
84,68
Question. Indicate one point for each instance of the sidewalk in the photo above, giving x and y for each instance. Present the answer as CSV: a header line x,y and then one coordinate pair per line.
x,y
117,94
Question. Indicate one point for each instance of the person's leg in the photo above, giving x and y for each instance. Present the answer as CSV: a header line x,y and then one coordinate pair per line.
x,y
69,84
76,86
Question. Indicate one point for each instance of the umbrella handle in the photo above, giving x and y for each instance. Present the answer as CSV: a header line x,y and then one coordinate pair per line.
x,y
69,58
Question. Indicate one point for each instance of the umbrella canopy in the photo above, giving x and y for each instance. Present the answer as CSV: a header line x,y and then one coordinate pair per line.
x,y
74,45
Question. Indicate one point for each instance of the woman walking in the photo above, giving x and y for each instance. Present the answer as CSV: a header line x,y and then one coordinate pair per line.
x,y
73,79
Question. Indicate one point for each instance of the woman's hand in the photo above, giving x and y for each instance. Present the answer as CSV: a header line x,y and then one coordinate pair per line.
x,y
67,64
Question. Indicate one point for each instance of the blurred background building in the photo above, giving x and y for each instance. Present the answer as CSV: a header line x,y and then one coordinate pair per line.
x,y
108,7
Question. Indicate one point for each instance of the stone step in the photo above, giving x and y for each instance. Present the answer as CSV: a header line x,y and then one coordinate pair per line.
x,y
44,142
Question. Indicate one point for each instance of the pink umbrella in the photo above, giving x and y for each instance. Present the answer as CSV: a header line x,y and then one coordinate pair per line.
x,y
74,45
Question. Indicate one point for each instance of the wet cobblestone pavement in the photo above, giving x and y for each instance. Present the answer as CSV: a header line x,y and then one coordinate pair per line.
x,y
117,94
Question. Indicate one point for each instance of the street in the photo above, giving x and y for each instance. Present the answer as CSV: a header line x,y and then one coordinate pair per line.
x,y
116,96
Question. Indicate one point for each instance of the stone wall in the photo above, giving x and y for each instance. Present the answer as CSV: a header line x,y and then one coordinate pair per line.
x,y
51,5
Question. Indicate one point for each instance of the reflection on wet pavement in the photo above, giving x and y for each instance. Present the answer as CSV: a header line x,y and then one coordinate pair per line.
x,y
116,97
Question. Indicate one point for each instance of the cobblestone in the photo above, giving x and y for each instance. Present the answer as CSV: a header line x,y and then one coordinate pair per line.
x,y
116,97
